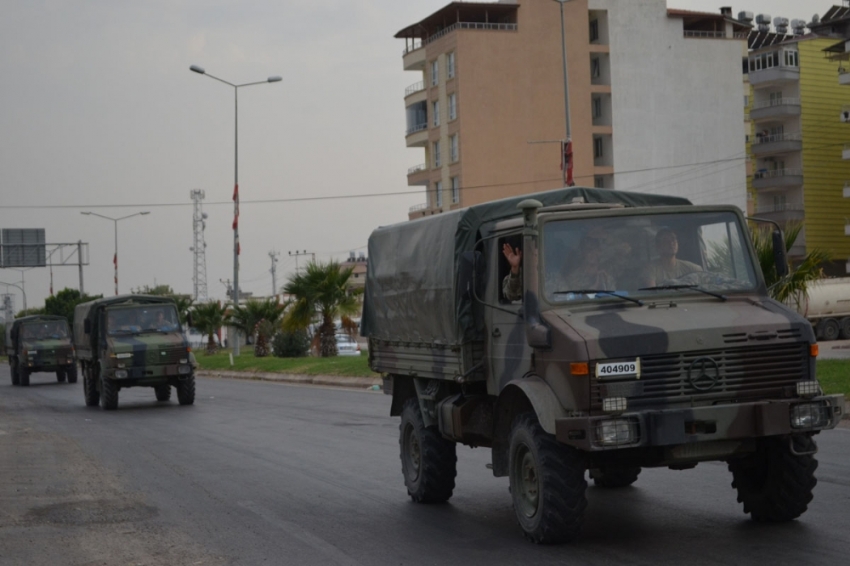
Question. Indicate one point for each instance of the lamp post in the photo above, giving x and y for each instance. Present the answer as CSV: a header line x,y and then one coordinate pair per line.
x,y
567,140
115,221
23,292
236,248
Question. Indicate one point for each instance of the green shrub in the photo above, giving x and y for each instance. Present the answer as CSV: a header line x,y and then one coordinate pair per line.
x,y
291,344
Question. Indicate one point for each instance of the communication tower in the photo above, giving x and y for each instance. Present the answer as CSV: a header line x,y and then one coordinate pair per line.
x,y
199,247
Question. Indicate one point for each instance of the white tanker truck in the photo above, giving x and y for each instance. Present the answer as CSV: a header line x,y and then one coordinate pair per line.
x,y
828,308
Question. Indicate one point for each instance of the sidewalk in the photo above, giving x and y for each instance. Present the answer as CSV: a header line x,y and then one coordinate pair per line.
x,y
331,380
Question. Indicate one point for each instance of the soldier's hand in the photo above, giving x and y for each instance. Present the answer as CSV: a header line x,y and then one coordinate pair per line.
x,y
514,257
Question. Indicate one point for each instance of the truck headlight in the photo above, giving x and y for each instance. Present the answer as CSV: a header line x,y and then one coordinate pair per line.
x,y
615,432
123,355
809,415
184,370
121,373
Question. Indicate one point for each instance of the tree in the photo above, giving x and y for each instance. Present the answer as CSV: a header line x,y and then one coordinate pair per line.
x,y
65,301
793,286
258,318
320,290
208,318
183,302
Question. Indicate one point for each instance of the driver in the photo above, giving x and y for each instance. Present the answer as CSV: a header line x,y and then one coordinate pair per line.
x,y
667,267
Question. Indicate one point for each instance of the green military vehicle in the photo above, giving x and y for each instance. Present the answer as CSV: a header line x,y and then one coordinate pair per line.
x,y
569,332
132,341
40,343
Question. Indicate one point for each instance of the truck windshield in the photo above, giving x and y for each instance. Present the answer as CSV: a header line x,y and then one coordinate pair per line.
x,y
643,256
136,320
49,330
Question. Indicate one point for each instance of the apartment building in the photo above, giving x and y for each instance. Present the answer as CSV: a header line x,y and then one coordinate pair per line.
x,y
655,100
798,136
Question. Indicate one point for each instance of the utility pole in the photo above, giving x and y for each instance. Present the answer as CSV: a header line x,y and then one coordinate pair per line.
x,y
296,253
199,246
273,255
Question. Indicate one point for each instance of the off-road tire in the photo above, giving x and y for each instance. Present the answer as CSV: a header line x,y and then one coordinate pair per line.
x,y
547,483
13,369
428,461
615,476
90,391
71,371
828,329
773,483
163,392
186,390
23,375
844,328
60,375
108,394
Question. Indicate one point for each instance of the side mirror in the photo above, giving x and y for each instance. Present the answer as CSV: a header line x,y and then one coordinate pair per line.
x,y
87,326
189,320
779,257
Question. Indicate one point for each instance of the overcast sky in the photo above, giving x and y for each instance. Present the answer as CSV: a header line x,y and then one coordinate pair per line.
x,y
99,111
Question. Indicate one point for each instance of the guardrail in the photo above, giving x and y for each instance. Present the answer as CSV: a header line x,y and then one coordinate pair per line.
x,y
776,102
417,168
770,138
780,207
418,207
459,25
415,87
417,128
705,34
778,173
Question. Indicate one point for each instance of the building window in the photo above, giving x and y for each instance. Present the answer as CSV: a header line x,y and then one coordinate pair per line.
x,y
791,58
746,101
453,148
776,98
450,65
455,190
597,148
595,70
438,189
435,112
596,106
452,106
436,148
599,182
435,73
594,30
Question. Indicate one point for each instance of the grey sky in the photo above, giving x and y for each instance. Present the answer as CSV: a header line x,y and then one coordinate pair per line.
x,y
98,107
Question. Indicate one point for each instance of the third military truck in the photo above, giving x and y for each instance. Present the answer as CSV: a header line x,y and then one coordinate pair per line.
x,y
132,341
584,331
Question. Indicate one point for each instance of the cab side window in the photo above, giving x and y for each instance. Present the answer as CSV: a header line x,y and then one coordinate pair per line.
x,y
510,287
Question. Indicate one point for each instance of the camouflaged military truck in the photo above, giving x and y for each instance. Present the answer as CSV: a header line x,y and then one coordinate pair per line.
x,y
132,341
561,374
40,343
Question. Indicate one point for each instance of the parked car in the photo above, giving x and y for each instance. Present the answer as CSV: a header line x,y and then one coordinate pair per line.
x,y
346,345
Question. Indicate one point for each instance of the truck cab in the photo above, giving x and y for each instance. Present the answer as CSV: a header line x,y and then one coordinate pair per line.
x,y
40,343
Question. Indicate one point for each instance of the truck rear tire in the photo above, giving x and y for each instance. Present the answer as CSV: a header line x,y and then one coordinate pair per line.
x,y
72,373
547,483
60,375
23,375
844,328
163,392
108,394
773,483
186,391
615,476
90,389
829,329
13,369
428,461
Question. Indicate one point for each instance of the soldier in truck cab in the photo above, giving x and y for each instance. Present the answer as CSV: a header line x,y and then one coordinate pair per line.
x,y
667,267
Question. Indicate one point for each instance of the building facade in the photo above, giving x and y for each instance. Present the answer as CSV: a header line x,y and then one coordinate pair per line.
x,y
652,101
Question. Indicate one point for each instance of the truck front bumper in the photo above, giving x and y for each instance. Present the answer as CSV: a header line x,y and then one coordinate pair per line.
x,y
670,427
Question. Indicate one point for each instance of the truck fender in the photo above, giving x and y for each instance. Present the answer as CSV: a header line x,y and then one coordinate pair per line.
x,y
541,397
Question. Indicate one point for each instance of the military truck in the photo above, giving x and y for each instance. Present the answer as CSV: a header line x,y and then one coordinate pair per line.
x,y
132,341
562,379
40,343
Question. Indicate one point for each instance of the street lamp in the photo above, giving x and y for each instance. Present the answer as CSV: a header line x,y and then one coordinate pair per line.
x,y
567,141
236,248
115,221
23,292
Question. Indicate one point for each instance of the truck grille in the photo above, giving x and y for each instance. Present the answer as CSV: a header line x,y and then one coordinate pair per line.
x,y
165,356
743,373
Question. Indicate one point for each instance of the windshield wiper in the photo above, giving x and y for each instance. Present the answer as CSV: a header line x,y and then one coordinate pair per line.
x,y
677,287
599,292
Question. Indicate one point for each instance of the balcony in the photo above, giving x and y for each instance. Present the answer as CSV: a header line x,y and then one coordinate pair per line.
x,y
418,175
782,213
843,76
774,75
413,58
775,109
778,178
416,87
417,136
777,143
418,207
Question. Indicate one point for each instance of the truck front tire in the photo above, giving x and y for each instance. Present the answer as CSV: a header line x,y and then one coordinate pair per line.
x,y
163,392
23,375
615,476
72,373
13,369
108,394
428,461
774,483
186,391
90,388
547,483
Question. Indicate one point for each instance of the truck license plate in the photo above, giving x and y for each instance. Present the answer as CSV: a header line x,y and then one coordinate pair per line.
x,y
614,369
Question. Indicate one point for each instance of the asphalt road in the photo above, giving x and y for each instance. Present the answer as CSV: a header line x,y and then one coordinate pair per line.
x,y
269,473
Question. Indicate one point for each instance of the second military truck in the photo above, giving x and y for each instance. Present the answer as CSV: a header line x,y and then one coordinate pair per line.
x,y
40,343
132,341
584,330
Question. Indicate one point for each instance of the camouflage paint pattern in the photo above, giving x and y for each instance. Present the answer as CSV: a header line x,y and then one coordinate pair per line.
x,y
151,356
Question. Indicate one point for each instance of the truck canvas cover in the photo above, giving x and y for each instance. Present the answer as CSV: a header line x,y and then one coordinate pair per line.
x,y
412,270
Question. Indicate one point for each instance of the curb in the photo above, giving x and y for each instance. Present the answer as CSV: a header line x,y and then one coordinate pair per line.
x,y
332,380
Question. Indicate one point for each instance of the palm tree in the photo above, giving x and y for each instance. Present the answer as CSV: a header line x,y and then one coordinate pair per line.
x,y
208,318
793,286
248,319
184,305
320,290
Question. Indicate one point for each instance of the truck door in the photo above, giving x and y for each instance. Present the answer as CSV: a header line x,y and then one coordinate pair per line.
x,y
508,352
